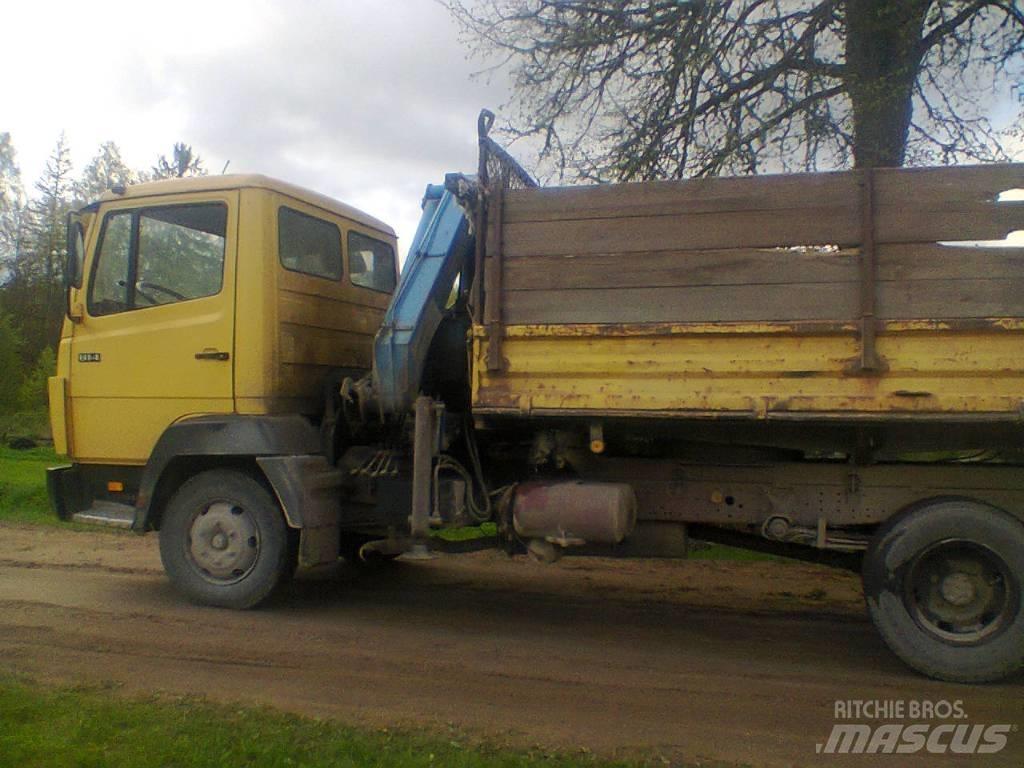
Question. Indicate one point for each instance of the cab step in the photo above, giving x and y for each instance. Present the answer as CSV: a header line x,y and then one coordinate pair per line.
x,y
108,513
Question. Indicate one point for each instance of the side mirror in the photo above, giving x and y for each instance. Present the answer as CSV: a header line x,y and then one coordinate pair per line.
x,y
76,255
74,265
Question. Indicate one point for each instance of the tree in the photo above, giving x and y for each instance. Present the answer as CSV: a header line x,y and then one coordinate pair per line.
x,y
45,270
104,171
12,205
10,382
640,89
33,395
183,163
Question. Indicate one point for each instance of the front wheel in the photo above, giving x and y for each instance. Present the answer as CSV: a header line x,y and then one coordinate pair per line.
x,y
224,541
943,586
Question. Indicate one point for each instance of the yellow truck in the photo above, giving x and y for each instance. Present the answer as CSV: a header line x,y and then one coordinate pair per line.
x,y
825,366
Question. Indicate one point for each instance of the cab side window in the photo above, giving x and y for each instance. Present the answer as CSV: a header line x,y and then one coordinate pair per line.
x,y
109,290
309,245
163,255
181,253
371,263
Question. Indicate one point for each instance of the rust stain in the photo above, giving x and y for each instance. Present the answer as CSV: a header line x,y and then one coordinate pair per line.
x,y
799,328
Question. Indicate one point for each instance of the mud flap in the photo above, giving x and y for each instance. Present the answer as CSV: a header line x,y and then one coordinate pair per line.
x,y
308,490
63,487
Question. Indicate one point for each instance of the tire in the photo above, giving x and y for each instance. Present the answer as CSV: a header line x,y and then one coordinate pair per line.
x,y
942,583
224,541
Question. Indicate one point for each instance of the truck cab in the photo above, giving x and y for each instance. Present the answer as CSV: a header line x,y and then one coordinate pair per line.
x,y
220,297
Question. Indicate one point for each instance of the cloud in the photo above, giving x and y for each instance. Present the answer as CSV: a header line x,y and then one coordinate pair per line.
x,y
367,102
356,102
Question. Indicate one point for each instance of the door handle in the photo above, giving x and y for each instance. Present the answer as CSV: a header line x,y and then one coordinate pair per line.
x,y
212,354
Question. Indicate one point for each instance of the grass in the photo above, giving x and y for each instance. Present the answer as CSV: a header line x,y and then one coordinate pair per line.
x,y
86,727
469,533
23,485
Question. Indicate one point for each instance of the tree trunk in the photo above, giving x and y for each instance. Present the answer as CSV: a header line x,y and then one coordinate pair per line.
x,y
883,55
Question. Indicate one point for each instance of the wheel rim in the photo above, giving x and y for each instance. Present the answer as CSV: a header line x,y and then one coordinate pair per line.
x,y
223,542
961,592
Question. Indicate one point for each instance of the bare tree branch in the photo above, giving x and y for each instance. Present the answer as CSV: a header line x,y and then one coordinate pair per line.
x,y
634,89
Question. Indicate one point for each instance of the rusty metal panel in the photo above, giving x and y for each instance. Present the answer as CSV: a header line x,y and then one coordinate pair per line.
x,y
754,371
804,493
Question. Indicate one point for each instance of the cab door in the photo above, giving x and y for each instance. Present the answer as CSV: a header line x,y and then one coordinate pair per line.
x,y
156,339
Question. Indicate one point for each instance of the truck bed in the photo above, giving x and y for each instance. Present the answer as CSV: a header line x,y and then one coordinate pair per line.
x,y
845,296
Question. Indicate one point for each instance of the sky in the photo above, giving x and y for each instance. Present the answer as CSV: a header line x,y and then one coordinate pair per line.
x,y
367,102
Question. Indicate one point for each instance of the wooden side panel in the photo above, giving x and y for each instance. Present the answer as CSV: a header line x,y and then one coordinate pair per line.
x,y
772,248
745,298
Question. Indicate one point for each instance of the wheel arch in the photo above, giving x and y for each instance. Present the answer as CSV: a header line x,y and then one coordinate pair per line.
x,y
231,441
179,470
943,498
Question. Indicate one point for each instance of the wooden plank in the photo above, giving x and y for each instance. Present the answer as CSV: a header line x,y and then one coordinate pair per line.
x,y
660,198
758,229
932,261
896,261
913,205
953,220
897,300
951,299
679,268
724,303
928,186
894,186
943,299
963,221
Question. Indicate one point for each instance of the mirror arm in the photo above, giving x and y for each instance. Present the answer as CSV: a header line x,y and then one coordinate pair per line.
x,y
74,312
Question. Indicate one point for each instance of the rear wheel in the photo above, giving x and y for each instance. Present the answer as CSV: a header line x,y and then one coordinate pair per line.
x,y
943,586
224,541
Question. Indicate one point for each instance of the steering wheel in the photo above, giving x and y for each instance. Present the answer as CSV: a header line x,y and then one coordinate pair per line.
x,y
143,285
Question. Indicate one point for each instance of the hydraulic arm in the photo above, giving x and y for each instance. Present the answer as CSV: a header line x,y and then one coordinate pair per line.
x,y
442,244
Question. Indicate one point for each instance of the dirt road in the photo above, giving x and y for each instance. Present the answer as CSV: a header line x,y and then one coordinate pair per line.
x,y
693,660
